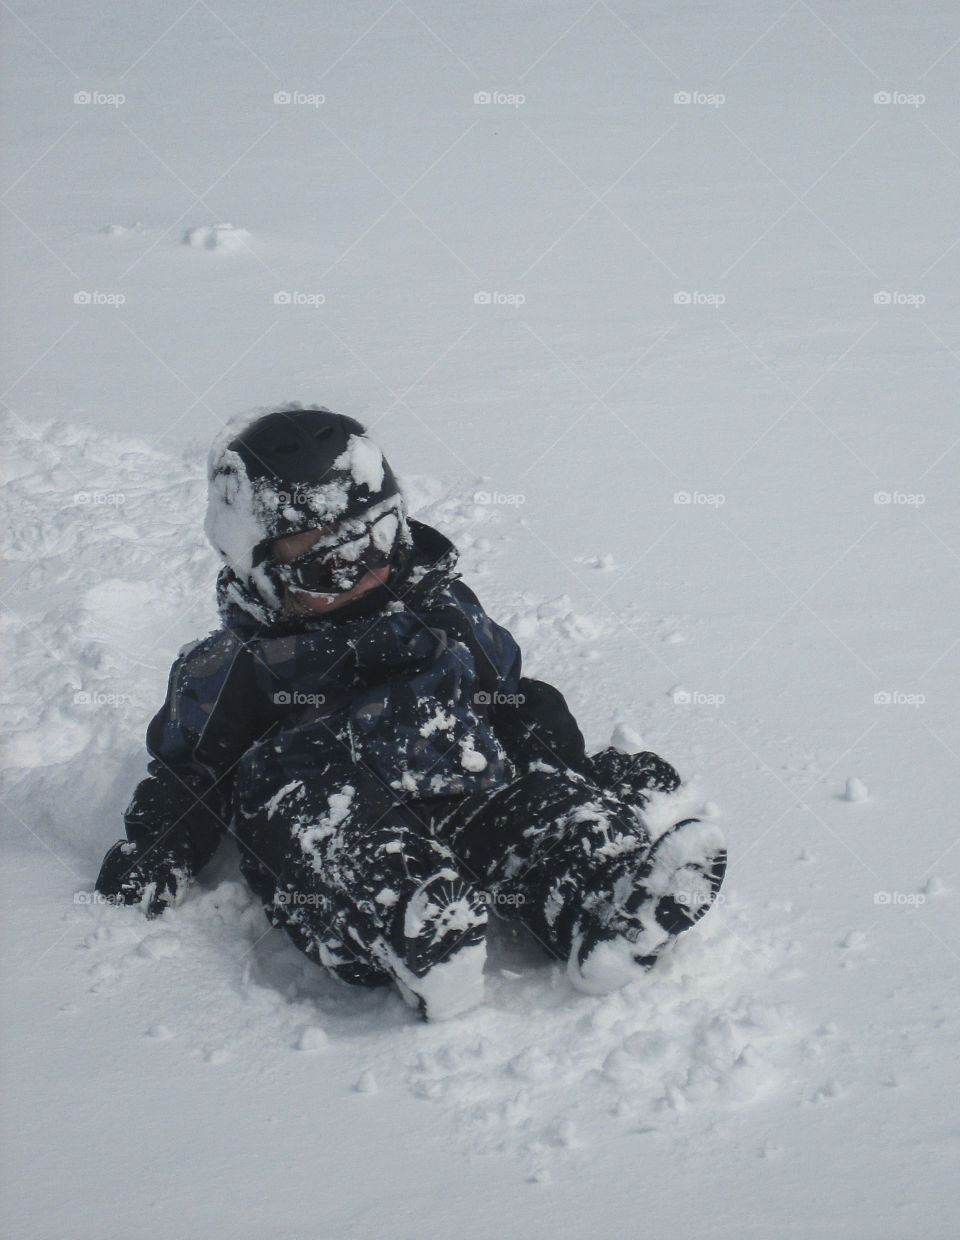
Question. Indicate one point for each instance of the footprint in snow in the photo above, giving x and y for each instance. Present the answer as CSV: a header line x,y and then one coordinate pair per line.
x,y
829,1091
217,1055
103,976
160,946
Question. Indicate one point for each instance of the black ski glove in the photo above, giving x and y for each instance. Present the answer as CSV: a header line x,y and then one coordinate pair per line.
x,y
535,725
154,880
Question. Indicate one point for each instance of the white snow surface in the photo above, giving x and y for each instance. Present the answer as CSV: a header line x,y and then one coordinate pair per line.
x,y
727,527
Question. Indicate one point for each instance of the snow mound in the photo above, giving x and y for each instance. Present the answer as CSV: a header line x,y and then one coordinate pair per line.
x,y
540,1063
222,237
626,739
856,790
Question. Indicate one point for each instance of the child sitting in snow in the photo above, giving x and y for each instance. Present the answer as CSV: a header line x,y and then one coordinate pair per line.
x,y
362,728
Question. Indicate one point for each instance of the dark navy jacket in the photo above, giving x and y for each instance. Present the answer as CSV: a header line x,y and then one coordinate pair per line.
x,y
416,687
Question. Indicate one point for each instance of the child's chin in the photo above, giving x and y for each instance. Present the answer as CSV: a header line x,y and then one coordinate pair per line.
x,y
320,603
316,602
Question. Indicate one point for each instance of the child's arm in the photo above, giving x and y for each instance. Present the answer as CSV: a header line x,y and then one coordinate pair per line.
x,y
530,717
179,812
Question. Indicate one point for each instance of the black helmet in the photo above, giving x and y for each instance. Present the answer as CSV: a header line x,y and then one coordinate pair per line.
x,y
284,471
318,464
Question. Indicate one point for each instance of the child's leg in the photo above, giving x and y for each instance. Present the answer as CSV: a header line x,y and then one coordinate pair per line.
x,y
548,847
675,886
367,893
575,865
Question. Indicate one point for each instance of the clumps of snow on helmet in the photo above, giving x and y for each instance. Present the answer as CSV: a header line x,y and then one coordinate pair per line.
x,y
237,521
232,523
379,525
243,513
303,507
364,462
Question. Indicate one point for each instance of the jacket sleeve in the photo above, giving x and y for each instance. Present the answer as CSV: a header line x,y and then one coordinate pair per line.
x,y
496,655
530,717
180,810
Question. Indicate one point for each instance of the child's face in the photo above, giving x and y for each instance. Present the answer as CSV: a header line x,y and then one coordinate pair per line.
x,y
298,602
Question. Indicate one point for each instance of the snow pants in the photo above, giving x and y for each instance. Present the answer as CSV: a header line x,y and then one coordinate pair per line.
x,y
361,875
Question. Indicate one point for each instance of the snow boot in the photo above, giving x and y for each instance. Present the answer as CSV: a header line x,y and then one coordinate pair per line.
x,y
674,887
438,947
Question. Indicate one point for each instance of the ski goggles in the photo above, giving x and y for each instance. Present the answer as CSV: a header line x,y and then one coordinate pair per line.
x,y
338,562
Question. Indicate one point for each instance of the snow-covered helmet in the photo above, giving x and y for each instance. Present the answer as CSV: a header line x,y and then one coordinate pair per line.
x,y
284,471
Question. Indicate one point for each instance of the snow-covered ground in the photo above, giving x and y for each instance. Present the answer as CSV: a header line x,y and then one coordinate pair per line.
x,y
665,335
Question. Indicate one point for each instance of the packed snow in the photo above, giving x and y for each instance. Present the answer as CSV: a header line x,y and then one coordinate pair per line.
x,y
654,314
